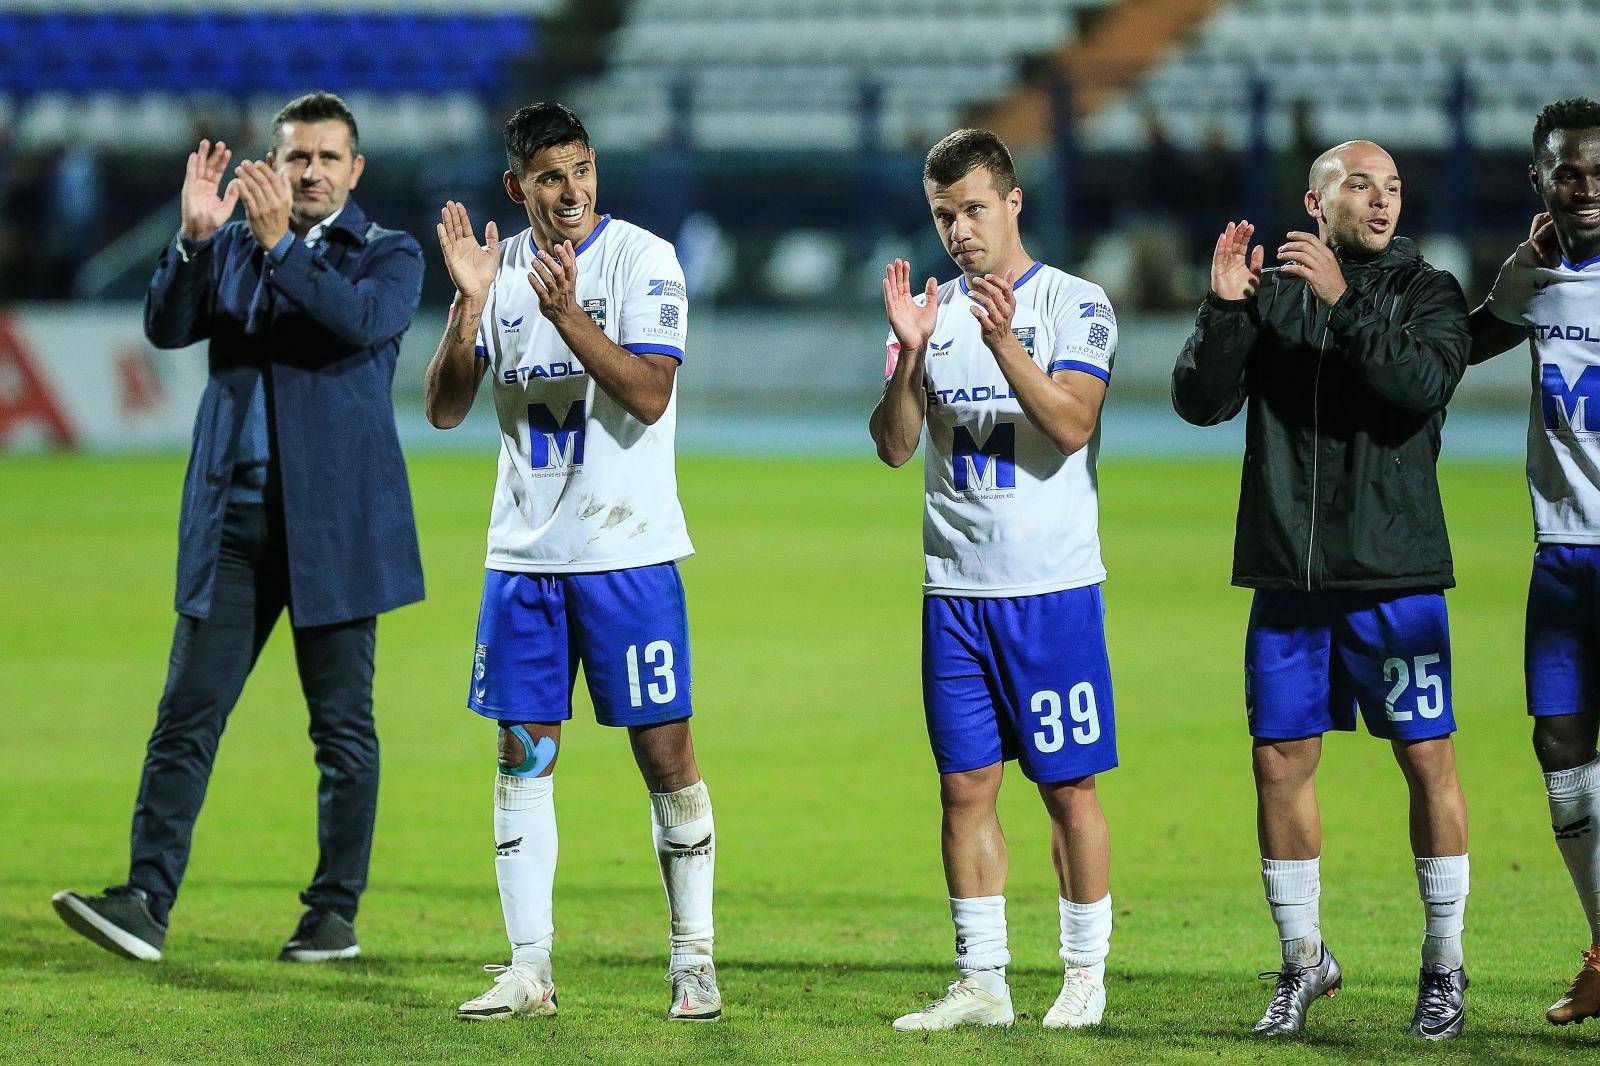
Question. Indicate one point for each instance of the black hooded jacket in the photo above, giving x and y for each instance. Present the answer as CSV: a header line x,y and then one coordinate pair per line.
x,y
1339,489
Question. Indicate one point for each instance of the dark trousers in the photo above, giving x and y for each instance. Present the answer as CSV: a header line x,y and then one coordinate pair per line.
x,y
211,657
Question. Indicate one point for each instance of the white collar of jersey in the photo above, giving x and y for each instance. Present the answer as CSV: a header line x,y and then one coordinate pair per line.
x,y
1570,265
590,239
314,234
1015,285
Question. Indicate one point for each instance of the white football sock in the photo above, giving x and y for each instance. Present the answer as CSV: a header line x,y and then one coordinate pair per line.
x,y
1575,817
1086,934
1442,882
1294,889
981,950
525,867
686,847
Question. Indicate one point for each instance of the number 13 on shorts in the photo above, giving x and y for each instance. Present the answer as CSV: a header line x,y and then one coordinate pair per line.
x,y
660,684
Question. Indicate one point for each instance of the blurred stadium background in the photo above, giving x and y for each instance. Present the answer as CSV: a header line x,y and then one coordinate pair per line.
x,y
778,143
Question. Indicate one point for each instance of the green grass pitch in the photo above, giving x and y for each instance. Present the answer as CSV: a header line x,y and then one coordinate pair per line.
x,y
831,913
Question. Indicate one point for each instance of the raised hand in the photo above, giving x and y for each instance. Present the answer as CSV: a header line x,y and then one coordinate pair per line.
x,y
203,209
1235,268
472,266
268,200
1541,249
555,278
993,305
912,323
1305,256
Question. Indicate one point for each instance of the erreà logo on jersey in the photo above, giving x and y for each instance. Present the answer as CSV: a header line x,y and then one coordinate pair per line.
x,y
667,287
1025,335
512,325
596,309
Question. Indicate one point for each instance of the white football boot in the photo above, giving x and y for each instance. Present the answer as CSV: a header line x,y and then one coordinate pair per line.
x,y
963,1003
1082,1001
514,994
695,996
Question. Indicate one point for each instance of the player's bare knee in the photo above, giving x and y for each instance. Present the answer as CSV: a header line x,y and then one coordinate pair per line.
x,y
969,789
1281,765
1563,741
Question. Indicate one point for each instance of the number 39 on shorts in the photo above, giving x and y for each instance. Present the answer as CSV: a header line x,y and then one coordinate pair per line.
x,y
1047,706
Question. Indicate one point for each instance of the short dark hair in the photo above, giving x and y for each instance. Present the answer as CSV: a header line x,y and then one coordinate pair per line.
x,y
316,107
965,151
1578,113
532,129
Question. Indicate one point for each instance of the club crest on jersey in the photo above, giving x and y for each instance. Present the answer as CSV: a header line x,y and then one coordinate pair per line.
x,y
935,348
1025,335
596,309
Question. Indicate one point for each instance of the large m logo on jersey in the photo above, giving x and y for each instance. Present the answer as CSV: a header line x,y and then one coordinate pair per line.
x,y
992,465
555,443
1571,408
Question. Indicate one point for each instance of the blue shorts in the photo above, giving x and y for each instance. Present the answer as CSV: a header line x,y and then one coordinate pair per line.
x,y
1025,677
629,629
1311,659
1562,640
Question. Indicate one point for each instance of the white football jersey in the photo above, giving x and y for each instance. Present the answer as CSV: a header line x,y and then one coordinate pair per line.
x,y
1560,309
1007,514
583,485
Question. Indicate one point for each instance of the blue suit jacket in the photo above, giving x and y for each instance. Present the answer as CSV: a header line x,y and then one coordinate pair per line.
x,y
325,326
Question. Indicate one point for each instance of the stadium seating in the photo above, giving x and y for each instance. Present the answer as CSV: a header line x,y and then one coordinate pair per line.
x,y
1394,81
794,73
133,77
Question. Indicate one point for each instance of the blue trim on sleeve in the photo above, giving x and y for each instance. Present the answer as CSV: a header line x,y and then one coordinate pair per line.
x,y
644,348
480,352
1078,364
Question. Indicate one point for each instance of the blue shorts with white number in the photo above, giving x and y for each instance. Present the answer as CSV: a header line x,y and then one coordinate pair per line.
x,y
1312,659
1023,677
628,628
1562,646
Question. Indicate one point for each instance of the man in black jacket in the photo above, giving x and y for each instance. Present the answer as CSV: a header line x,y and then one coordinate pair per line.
x,y
1346,355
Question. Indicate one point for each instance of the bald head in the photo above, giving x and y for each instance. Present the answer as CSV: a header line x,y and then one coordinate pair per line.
x,y
1354,194
1332,166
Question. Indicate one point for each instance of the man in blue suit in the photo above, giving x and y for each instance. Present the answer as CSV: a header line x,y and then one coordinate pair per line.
x,y
296,497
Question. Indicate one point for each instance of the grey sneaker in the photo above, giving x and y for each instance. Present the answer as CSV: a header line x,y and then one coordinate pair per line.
x,y
118,919
1441,1003
321,936
1294,993
695,996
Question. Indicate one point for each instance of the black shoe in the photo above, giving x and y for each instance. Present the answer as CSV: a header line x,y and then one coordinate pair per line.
x,y
1441,1003
119,920
320,936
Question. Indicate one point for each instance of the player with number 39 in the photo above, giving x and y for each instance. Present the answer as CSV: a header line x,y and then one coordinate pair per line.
x,y
1004,369
580,320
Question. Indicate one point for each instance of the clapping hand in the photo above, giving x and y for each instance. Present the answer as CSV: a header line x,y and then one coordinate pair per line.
x,y
472,266
203,209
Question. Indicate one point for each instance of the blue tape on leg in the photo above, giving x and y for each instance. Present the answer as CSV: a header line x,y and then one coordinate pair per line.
x,y
539,755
